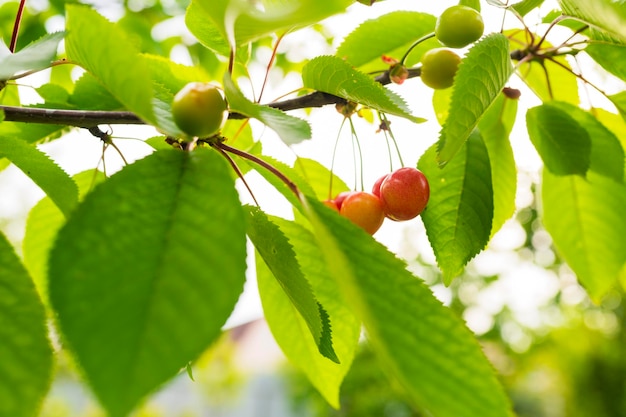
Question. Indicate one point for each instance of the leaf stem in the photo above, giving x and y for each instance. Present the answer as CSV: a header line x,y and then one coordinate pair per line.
x,y
259,161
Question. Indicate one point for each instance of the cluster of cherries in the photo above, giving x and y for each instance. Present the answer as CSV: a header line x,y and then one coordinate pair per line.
x,y
400,195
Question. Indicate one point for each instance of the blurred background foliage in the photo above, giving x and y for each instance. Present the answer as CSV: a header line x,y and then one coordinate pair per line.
x,y
561,356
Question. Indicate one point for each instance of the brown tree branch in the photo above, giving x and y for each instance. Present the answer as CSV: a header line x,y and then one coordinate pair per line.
x,y
90,118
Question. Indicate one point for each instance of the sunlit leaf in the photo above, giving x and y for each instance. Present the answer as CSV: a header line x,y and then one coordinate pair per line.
x,y
240,22
43,222
371,40
333,75
289,329
26,365
585,218
147,270
104,50
36,56
42,170
607,154
563,144
480,78
606,15
495,128
420,343
279,256
459,214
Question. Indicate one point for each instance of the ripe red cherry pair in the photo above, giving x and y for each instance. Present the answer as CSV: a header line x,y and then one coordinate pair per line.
x,y
400,195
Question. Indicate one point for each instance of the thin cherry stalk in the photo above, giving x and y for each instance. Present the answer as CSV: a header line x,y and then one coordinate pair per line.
x,y
262,163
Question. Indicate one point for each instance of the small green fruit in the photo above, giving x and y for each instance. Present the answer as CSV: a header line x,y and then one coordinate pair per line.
x,y
199,109
439,67
458,26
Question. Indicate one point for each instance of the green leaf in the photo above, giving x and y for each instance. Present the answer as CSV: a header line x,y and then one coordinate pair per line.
x,y
89,94
607,154
319,178
609,54
26,365
43,222
147,270
280,258
371,40
443,372
480,78
240,22
200,24
606,15
585,218
526,6
290,330
563,144
36,56
474,4
31,132
103,49
290,129
459,214
495,128
42,170
333,75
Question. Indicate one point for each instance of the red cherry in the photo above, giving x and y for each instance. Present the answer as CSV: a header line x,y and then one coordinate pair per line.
x,y
341,197
404,193
376,187
364,210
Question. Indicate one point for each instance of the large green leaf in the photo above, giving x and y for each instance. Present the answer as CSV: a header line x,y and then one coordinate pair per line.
x,y
290,129
495,128
147,270
240,22
607,154
480,78
459,215
563,144
36,56
333,75
103,49
290,330
526,6
420,342
585,218
606,15
371,40
42,170
26,365
279,256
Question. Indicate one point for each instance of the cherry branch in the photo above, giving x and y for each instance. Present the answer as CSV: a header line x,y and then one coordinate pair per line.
x,y
90,118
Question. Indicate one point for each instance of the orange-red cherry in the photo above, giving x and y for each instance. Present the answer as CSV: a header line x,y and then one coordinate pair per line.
x,y
364,210
404,193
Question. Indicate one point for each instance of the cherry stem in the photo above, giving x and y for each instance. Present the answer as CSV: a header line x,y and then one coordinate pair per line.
x,y
332,161
270,64
355,139
417,42
16,25
262,163
383,117
233,164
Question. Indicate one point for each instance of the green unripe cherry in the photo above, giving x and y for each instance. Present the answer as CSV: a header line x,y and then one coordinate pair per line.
x,y
199,109
458,26
439,67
